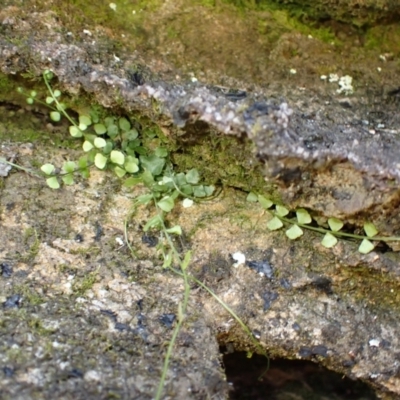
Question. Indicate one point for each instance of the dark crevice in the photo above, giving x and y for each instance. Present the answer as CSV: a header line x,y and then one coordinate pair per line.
x,y
287,379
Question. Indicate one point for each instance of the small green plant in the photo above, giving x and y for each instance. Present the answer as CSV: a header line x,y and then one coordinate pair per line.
x,y
303,220
114,143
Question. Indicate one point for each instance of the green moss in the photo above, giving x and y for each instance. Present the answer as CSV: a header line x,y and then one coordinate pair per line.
x,y
29,295
126,19
92,250
385,38
30,240
220,159
378,291
36,327
285,20
7,86
16,355
310,11
81,286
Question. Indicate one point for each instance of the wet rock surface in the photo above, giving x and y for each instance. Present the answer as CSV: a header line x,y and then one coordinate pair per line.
x,y
81,317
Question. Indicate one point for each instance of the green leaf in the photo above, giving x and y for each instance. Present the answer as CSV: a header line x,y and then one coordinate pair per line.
x,y
109,121
187,189
124,145
161,152
68,179
85,173
48,75
335,224
166,204
57,93
153,164
53,182
61,106
193,176
124,124
329,240
82,127
141,150
303,217
252,197
132,181
100,129
90,156
90,137
130,135
131,164
94,115
180,179
144,198
274,224
99,142
370,229
281,211
117,157
167,259
69,166
85,120
365,247
119,171
147,178
100,161
154,222
294,232
108,147
265,203
160,189
186,260
75,132
199,191
87,146
82,162
29,100
112,130
33,93
177,230
49,100
150,133
166,180
55,116
175,194
48,169
209,190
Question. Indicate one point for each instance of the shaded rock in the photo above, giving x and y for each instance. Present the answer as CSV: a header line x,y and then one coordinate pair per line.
x,y
359,13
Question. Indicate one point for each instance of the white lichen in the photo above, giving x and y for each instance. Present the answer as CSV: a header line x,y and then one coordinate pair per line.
x,y
345,85
239,257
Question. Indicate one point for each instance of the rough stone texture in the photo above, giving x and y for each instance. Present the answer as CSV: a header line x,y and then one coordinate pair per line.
x,y
333,153
81,319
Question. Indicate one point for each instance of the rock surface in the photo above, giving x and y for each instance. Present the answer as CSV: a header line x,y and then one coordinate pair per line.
x,y
323,144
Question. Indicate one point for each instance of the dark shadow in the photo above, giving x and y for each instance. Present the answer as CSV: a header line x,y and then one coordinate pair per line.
x,y
288,379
